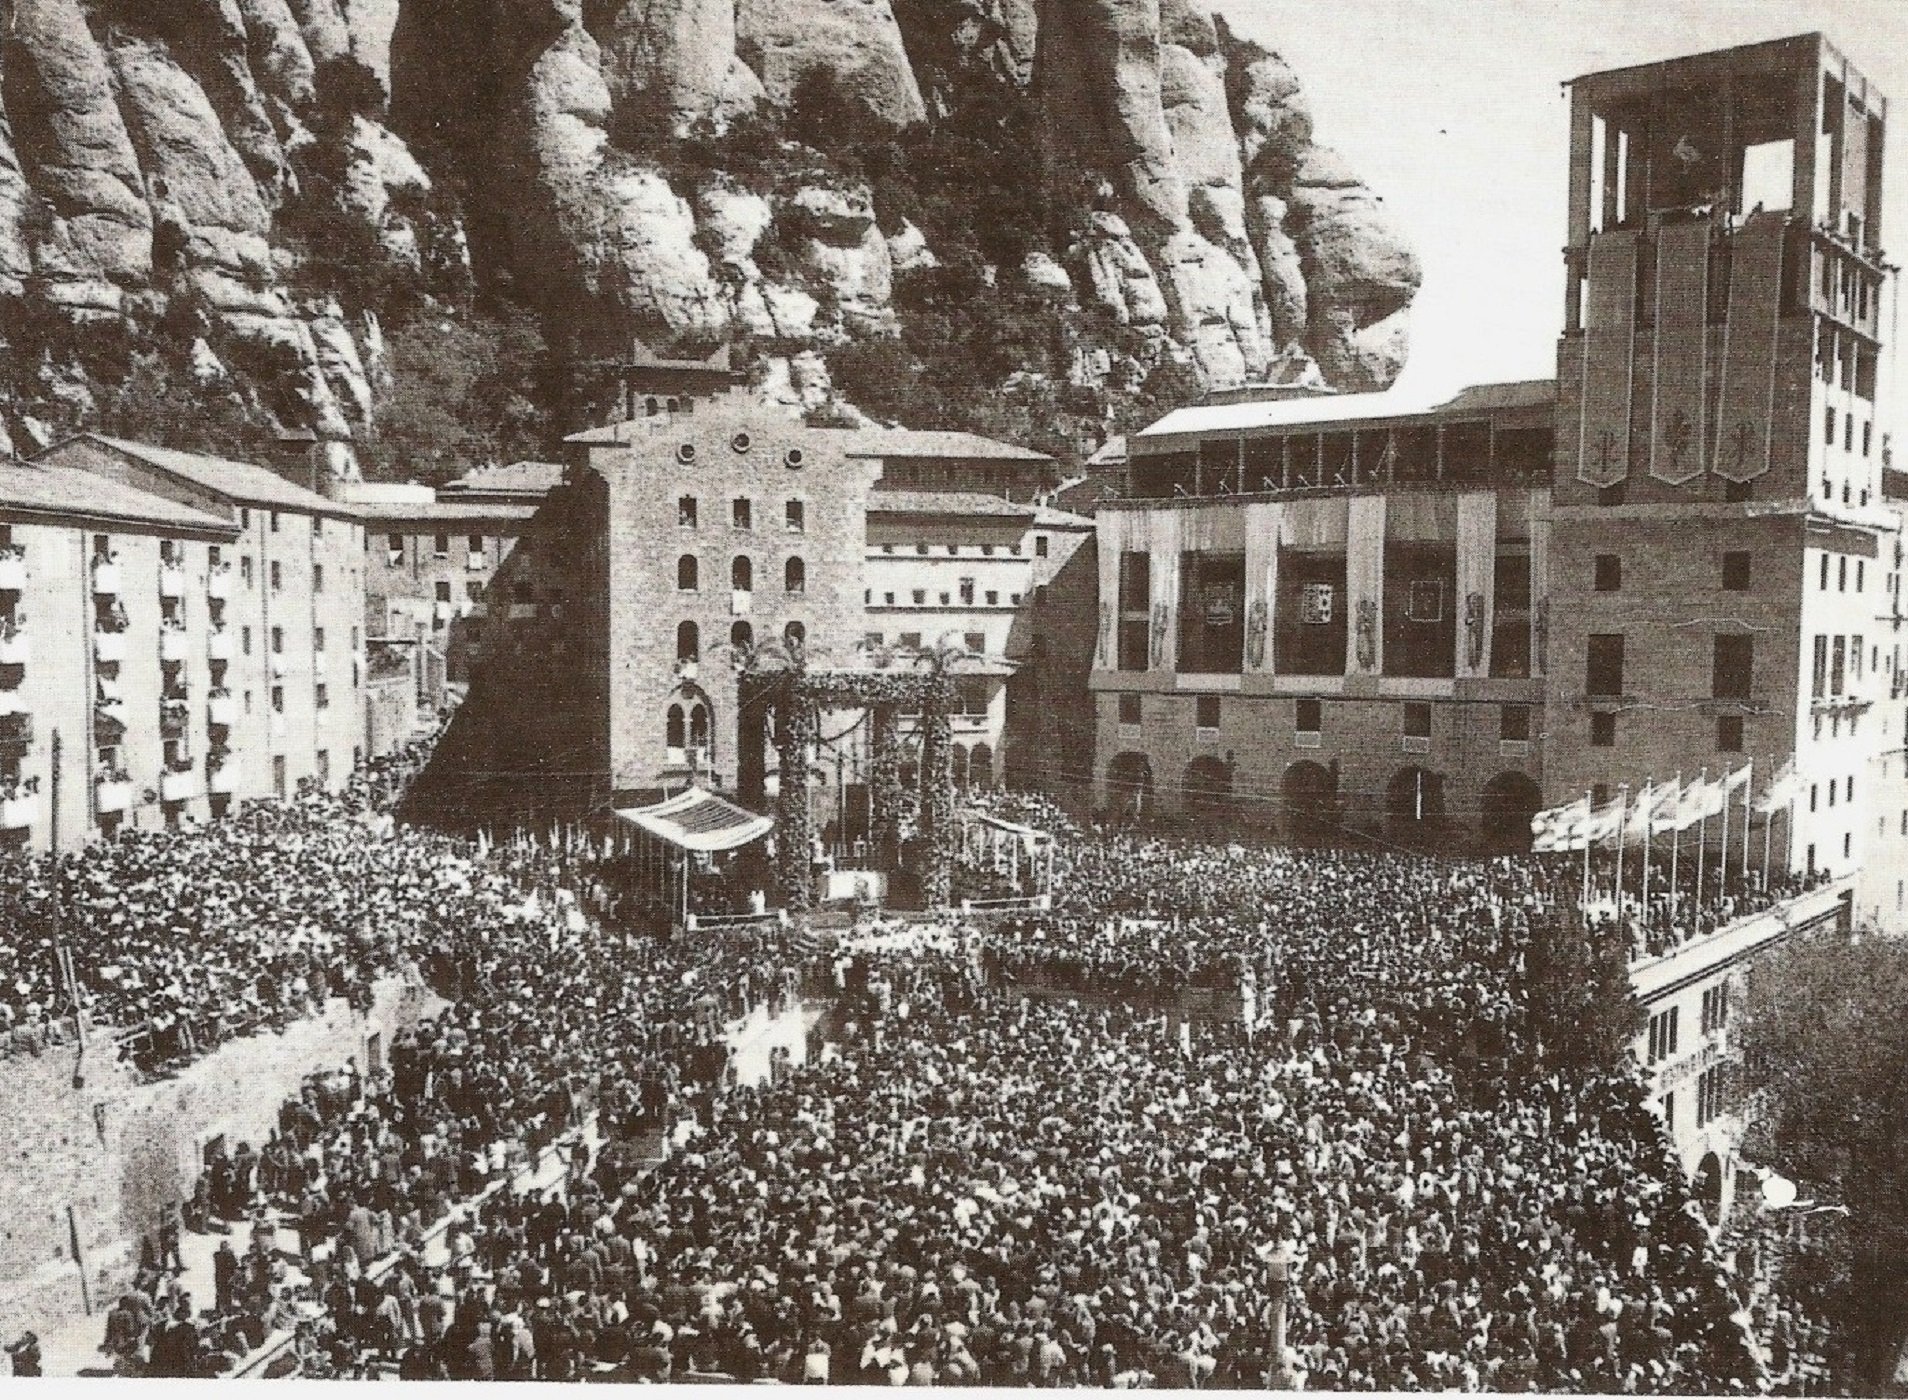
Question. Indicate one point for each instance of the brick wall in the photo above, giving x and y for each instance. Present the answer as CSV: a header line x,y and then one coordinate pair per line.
x,y
94,1154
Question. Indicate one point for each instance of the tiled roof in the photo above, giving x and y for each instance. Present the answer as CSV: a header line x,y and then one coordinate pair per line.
x,y
244,482
912,442
54,491
944,503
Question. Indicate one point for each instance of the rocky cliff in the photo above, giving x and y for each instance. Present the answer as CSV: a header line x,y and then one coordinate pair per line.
x,y
1075,207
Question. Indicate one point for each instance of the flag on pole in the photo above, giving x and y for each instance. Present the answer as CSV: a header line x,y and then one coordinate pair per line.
x,y
1605,823
1655,811
1701,800
1781,790
1561,828
1735,782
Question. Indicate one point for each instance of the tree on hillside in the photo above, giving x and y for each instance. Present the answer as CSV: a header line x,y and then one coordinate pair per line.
x,y
1825,1063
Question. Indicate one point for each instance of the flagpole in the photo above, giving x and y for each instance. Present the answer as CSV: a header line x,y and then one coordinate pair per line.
x,y
1702,842
1722,849
1649,796
1768,836
1589,808
1623,814
1748,792
1676,851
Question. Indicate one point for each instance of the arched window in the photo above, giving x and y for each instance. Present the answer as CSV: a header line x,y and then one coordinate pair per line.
x,y
688,641
674,728
794,635
742,574
686,573
741,634
651,408
699,726
794,576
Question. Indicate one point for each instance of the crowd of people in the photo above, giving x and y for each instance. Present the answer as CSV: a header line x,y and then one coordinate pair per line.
x,y
1379,1175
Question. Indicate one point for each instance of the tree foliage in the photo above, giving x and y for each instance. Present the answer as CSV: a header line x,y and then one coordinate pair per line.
x,y
1825,1054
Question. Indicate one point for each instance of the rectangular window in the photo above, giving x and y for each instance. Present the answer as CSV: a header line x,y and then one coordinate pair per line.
x,y
245,640
278,775
317,578
1513,723
1729,733
1040,546
1129,709
476,544
245,569
910,641
274,522
794,515
1206,712
1663,1036
1828,426
742,513
1604,667
394,545
443,591
1841,574
278,580
1417,720
278,699
1838,665
975,642
1735,571
686,512
1425,600
324,697
1609,573
278,641
920,597
1825,568
967,592
1603,730
317,639
1136,589
440,547
1819,680
1307,716
1716,1007
1731,667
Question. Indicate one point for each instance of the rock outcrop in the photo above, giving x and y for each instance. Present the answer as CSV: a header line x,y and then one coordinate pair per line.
x,y
158,163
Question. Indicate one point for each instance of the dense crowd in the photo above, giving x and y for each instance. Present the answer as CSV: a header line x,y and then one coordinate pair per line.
x,y
1378,1176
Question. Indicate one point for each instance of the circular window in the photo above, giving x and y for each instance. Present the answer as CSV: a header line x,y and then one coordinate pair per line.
x,y
686,452
741,442
794,457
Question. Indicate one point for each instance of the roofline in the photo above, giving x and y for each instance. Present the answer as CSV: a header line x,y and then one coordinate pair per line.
x,y
343,510
206,525
1810,36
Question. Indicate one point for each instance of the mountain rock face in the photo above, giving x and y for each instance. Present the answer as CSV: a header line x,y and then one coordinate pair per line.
x,y
774,173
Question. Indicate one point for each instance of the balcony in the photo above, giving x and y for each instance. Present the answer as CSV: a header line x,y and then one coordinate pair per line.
x,y
13,570
218,583
109,648
180,785
109,714
218,644
14,650
172,718
172,581
222,710
16,811
172,644
16,725
279,727
106,577
318,667
112,793
277,664
221,776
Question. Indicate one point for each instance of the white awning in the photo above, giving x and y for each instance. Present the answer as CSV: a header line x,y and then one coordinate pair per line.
x,y
698,820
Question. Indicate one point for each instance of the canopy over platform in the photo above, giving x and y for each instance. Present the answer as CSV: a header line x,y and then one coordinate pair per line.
x,y
1031,835
698,820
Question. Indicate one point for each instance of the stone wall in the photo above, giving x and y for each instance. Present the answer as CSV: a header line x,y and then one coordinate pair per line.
x,y
93,1154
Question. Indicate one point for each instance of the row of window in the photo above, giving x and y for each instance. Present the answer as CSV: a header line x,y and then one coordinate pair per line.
x,y
969,597
1607,572
1513,721
741,574
975,643
986,550
1838,660
1848,421
741,636
1732,666
1603,731
170,554
742,514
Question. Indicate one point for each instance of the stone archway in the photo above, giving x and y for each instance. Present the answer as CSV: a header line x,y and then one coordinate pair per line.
x,y
1310,797
1709,1187
1509,801
1129,783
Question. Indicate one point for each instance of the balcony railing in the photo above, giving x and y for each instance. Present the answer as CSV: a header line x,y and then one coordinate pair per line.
x,y
16,813
109,647
221,776
172,644
13,569
16,725
173,717
179,785
172,580
218,583
106,576
112,793
222,710
218,644
14,650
